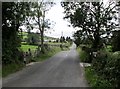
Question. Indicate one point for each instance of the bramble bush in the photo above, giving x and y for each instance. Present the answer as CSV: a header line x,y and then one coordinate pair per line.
x,y
108,67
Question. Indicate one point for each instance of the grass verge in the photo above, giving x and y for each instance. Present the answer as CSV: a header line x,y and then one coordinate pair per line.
x,y
49,53
95,81
11,68
82,54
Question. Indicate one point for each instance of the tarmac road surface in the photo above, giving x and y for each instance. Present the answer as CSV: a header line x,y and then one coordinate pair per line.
x,y
61,70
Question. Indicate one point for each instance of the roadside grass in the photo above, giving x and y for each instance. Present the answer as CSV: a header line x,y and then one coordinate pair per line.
x,y
14,67
11,68
50,53
82,54
95,81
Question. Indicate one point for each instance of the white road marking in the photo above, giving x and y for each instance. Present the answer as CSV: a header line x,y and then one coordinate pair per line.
x,y
81,64
31,63
85,64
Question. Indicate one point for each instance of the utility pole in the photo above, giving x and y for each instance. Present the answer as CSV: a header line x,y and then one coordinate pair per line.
x,y
62,37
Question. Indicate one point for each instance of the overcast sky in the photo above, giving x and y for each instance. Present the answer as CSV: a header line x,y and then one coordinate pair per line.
x,y
56,14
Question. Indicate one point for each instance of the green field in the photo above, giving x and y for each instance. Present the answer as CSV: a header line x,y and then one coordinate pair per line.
x,y
33,47
24,35
45,37
26,47
58,43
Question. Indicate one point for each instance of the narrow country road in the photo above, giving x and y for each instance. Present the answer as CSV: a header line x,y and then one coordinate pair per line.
x,y
61,70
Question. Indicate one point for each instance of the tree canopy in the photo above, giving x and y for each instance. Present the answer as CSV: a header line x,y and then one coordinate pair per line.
x,y
13,17
37,20
93,19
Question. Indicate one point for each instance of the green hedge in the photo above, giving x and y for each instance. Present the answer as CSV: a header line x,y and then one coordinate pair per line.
x,y
84,53
95,81
108,67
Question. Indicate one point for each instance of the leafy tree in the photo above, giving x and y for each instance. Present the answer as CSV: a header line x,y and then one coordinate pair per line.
x,y
62,39
116,41
33,38
13,16
116,33
57,40
78,38
37,17
92,18
68,39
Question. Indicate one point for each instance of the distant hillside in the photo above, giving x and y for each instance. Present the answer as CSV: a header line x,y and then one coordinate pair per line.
x,y
45,37
52,38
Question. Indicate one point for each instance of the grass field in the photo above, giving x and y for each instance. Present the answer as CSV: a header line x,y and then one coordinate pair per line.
x,y
45,37
26,47
33,47
58,43
24,35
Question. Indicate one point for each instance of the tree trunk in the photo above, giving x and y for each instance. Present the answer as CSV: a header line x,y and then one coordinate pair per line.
x,y
42,33
42,40
96,44
96,40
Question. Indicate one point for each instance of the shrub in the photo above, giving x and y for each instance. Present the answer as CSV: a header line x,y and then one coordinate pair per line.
x,y
108,67
46,47
95,81
109,48
100,61
84,56
112,70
